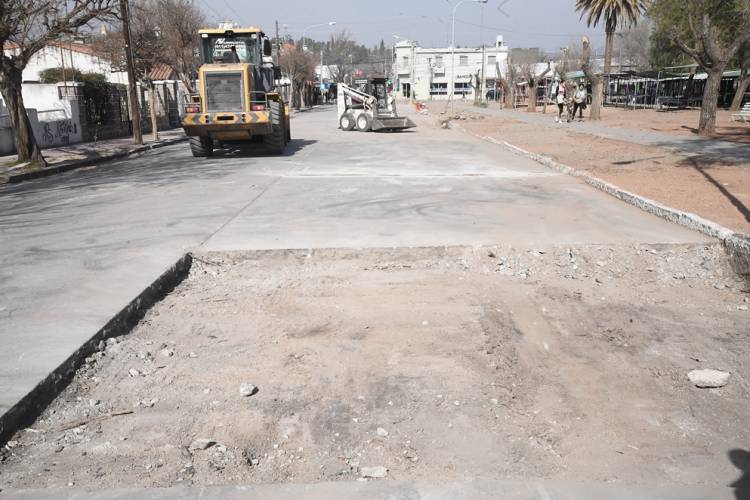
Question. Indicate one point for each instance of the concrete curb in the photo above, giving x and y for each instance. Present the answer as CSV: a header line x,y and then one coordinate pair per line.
x,y
76,164
30,407
736,244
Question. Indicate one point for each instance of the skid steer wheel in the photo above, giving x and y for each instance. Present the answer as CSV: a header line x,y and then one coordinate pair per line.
x,y
276,140
347,122
201,147
364,122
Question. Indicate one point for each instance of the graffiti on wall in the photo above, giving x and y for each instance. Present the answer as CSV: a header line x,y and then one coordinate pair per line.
x,y
59,133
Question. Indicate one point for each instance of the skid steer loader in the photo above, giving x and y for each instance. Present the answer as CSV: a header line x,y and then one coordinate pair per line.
x,y
370,109
237,98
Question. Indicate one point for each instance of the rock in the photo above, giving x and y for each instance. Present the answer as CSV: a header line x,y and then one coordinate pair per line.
x,y
247,390
709,378
742,308
167,353
382,432
373,472
192,355
59,449
201,444
133,372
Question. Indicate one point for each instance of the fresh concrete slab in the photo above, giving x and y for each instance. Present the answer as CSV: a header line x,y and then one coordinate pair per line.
x,y
76,248
387,490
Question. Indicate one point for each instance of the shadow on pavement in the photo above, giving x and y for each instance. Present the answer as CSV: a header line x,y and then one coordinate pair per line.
x,y
741,460
241,150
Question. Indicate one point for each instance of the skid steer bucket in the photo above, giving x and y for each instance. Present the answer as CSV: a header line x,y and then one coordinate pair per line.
x,y
391,123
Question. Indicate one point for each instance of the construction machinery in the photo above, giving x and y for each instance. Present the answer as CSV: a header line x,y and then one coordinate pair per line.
x,y
238,99
369,108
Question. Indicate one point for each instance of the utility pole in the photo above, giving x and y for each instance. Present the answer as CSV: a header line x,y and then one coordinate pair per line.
x,y
278,43
135,112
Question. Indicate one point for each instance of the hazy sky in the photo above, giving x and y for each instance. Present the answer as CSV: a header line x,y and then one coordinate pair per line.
x,y
549,24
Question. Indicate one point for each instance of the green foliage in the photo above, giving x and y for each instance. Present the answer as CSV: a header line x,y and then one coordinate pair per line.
x,y
727,20
613,13
663,53
95,91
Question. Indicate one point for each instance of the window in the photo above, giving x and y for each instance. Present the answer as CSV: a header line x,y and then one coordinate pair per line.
x,y
438,60
405,61
439,89
462,88
491,60
463,60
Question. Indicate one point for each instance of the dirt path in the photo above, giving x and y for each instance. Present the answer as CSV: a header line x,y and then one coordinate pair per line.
x,y
436,364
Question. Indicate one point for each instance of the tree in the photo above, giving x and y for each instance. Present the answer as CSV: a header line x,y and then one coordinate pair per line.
x,y
634,44
26,27
299,66
614,13
743,61
710,32
179,22
533,80
596,82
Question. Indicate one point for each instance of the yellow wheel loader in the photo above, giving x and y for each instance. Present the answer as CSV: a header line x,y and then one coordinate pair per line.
x,y
238,99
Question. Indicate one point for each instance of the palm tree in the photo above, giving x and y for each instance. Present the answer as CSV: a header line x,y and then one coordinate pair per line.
x,y
614,13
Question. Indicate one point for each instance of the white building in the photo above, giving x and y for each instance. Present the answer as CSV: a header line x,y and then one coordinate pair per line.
x,y
431,74
71,55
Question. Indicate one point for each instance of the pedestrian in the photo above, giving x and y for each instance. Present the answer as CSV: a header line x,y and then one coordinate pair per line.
x,y
560,100
579,100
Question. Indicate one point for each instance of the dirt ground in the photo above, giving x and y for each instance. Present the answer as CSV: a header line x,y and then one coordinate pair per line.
x,y
707,186
436,364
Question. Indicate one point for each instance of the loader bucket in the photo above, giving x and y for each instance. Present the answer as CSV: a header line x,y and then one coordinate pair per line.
x,y
388,123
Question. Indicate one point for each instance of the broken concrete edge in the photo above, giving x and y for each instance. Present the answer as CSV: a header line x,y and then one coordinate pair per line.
x,y
24,412
736,244
76,164
382,489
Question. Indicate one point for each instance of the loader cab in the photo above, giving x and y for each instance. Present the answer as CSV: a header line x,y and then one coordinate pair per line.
x,y
232,47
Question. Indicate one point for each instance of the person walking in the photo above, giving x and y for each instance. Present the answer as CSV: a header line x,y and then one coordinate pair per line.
x,y
579,101
560,100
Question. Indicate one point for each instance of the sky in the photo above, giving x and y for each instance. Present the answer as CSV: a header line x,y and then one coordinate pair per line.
x,y
549,24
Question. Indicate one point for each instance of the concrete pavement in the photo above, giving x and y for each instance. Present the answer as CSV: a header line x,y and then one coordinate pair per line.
x,y
387,490
687,145
76,248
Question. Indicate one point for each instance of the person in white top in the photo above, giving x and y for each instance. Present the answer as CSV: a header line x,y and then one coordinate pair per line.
x,y
579,101
560,100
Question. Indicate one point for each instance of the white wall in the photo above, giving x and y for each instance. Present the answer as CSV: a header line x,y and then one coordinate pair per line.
x,y
55,121
52,57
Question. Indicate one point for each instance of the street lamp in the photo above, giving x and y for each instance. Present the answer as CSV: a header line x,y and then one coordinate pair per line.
x,y
453,44
329,23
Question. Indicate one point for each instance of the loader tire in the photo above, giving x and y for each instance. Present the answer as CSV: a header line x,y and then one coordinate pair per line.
x,y
201,147
275,142
364,122
346,122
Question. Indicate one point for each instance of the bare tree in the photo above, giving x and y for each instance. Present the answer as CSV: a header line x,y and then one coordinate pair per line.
x,y
339,55
26,27
634,45
148,46
299,66
533,80
178,22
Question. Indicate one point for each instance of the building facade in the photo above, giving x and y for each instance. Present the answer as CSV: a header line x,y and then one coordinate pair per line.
x,y
432,74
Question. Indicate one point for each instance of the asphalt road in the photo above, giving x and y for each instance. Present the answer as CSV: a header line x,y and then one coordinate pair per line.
x,y
76,248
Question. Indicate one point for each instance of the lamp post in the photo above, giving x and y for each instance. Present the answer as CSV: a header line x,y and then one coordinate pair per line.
x,y
329,23
453,45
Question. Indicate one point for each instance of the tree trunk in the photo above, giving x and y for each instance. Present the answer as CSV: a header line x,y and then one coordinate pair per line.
x,y
610,48
742,87
707,124
152,108
596,99
27,148
531,108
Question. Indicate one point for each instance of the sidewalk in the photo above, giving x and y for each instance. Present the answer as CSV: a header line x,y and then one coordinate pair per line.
x,y
65,158
687,145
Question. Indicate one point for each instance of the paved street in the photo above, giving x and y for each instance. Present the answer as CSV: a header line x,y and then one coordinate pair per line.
x,y
76,248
